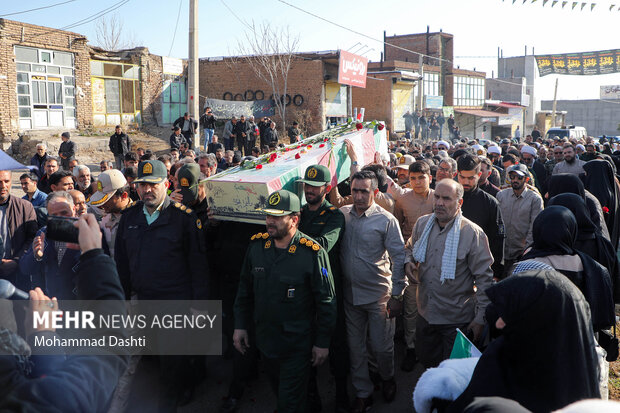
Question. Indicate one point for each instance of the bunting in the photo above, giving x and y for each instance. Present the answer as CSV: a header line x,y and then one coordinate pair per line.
x,y
574,4
592,6
554,2
582,4
611,7
545,2
564,3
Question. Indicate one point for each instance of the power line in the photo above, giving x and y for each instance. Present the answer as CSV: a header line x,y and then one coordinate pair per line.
x,y
81,22
38,8
362,34
237,17
175,27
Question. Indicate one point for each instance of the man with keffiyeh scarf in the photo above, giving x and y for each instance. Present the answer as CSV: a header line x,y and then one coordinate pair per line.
x,y
452,255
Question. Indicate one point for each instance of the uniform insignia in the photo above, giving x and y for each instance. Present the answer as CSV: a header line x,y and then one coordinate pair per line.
x,y
322,212
182,207
274,199
290,293
189,210
312,172
316,247
268,244
401,160
184,182
147,169
99,186
309,243
198,224
332,208
265,235
302,240
253,237
292,249
325,272
177,204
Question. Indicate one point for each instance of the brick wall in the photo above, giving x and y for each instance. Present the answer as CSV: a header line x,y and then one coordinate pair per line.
x,y
439,45
376,98
236,76
16,33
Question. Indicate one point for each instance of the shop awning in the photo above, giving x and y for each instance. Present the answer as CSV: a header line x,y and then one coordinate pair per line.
x,y
481,113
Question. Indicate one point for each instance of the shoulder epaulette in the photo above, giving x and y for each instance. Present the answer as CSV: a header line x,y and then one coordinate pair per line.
x,y
309,243
259,236
182,207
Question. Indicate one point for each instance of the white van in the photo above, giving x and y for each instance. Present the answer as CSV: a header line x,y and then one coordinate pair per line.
x,y
570,132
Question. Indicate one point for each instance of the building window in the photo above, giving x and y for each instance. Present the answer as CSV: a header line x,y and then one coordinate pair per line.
x,y
40,92
431,84
114,92
468,91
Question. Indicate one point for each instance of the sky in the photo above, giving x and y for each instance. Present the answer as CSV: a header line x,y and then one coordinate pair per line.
x,y
479,28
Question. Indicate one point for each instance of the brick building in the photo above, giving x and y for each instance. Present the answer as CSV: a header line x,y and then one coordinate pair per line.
x,y
53,80
312,76
46,78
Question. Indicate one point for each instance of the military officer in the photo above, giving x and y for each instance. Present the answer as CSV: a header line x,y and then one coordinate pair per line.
x,y
325,224
160,255
287,290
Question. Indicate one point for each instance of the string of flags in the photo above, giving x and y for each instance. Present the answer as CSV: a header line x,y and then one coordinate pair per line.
x,y
571,4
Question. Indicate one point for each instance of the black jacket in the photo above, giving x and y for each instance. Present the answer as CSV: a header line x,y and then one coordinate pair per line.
x,y
240,128
165,260
68,150
78,383
120,144
207,121
270,136
39,162
176,140
483,210
181,121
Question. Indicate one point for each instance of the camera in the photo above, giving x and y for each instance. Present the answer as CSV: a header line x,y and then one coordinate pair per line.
x,y
62,229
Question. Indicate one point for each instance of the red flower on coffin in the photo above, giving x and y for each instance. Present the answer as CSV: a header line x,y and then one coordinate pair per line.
x,y
309,146
380,126
359,126
297,156
259,166
321,145
606,210
273,157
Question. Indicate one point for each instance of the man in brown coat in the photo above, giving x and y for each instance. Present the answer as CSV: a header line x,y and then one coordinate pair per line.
x,y
18,226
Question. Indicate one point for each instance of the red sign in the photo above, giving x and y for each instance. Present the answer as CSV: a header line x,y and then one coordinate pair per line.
x,y
352,69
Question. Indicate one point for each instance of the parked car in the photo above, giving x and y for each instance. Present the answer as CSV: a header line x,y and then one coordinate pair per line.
x,y
569,132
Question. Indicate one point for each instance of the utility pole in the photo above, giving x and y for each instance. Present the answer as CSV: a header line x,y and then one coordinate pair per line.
x,y
555,102
192,69
421,83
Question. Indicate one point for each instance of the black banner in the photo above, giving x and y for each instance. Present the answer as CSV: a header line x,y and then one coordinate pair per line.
x,y
588,63
226,109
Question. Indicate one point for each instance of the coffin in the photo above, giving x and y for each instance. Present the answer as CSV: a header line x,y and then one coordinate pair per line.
x,y
235,194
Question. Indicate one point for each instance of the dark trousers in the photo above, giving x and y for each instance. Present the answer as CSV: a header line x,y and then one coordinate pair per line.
x,y
434,342
289,379
189,139
248,145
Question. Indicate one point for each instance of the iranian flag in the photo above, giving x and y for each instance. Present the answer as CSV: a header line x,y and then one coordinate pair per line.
x,y
463,348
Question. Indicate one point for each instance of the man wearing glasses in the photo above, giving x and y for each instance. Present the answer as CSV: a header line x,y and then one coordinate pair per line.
x,y
207,121
519,206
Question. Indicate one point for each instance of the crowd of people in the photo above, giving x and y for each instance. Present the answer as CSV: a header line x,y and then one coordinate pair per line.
x,y
513,242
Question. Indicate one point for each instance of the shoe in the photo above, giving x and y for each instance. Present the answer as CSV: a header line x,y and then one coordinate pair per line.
x,y
389,389
361,405
230,405
410,359
375,378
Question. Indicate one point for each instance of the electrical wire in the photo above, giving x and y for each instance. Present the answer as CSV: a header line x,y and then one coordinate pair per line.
x,y
175,27
38,8
237,17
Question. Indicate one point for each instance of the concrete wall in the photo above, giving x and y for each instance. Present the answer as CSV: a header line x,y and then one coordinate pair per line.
x,y
598,117
522,66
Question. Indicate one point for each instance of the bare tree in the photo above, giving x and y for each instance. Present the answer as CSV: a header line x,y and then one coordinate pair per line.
x,y
111,36
270,52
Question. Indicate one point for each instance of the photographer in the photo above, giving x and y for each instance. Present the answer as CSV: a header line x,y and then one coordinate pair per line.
x,y
77,383
50,264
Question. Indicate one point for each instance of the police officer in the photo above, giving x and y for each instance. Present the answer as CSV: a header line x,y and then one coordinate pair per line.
x,y
160,255
325,224
287,289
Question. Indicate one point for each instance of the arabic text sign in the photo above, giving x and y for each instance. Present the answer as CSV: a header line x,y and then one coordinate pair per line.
x,y
589,63
610,92
226,109
352,69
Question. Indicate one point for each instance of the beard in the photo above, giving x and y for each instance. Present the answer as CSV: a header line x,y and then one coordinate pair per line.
x,y
277,233
570,161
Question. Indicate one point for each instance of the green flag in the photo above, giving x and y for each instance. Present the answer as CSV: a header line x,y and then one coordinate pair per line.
x,y
463,348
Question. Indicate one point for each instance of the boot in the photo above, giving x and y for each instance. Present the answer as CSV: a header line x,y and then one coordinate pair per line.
x,y
409,361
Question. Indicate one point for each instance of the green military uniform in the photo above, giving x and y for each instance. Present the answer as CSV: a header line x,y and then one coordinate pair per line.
x,y
326,226
289,296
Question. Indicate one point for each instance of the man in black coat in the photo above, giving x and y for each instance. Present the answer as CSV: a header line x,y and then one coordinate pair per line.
x,y
481,208
241,130
188,128
119,144
271,135
171,232
39,159
177,138
67,150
